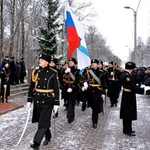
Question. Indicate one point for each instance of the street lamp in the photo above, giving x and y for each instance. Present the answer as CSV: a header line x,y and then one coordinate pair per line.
x,y
135,15
129,52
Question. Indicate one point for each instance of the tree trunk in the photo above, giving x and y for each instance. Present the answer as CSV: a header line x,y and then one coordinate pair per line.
x,y
12,28
1,30
22,30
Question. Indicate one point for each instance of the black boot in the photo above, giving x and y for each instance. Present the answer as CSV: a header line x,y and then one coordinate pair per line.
x,y
70,120
35,146
94,125
46,141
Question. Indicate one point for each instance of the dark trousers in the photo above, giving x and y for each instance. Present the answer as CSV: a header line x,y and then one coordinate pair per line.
x,y
94,116
17,80
21,79
41,132
127,126
84,104
71,105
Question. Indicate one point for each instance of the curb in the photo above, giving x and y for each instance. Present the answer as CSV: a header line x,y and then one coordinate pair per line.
x,y
5,108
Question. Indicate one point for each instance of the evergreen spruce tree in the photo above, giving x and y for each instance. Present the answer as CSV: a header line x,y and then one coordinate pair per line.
x,y
47,40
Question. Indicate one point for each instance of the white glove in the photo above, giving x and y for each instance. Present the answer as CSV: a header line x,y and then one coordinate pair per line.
x,y
112,73
67,70
142,86
29,105
5,86
83,89
106,90
6,65
103,96
85,85
146,88
55,109
69,90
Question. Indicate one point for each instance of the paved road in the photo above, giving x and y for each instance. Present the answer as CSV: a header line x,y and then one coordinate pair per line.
x,y
79,135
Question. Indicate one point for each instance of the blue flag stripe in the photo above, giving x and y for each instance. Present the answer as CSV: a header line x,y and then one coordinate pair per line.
x,y
83,50
69,20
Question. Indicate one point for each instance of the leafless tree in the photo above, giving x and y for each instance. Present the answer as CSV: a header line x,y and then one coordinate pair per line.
x,y
1,29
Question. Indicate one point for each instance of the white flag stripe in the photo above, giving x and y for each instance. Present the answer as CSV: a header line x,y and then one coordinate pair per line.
x,y
83,61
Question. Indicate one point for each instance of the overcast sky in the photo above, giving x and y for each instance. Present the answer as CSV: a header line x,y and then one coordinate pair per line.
x,y
117,23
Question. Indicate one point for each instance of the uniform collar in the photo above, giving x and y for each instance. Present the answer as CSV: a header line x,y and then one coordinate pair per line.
x,y
45,68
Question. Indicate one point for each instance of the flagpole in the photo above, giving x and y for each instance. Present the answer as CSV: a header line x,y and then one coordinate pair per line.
x,y
68,65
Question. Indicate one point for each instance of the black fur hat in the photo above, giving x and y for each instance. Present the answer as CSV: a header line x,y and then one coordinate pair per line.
x,y
46,57
130,65
94,61
73,59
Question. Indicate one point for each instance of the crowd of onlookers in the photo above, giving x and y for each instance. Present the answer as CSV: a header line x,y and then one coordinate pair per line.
x,y
142,76
17,69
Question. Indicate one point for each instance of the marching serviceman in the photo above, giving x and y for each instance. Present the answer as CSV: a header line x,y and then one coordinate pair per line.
x,y
105,75
112,94
53,64
128,109
44,94
63,83
71,80
82,95
94,83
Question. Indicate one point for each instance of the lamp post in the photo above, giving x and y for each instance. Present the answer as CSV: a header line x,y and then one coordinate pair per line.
x,y
129,52
135,31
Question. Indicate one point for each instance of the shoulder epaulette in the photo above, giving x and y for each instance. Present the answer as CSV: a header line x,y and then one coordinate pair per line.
x,y
101,70
37,68
53,69
34,75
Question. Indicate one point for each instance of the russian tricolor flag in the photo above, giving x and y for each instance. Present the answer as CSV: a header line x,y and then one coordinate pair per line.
x,y
75,37
71,32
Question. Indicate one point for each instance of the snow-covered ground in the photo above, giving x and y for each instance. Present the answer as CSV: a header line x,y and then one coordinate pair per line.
x,y
79,135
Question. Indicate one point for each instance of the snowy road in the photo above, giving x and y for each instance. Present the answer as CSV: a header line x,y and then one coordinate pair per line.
x,y
79,135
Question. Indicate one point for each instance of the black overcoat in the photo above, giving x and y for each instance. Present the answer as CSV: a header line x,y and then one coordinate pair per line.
x,y
5,81
95,92
43,78
128,110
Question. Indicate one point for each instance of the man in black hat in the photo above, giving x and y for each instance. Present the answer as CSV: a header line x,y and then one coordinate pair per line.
x,y
94,84
44,94
70,88
54,64
128,109
111,82
105,74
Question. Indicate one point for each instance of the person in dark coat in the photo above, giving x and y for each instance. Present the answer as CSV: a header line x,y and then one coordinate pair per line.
x,y
23,70
63,84
44,94
5,85
112,85
71,80
18,70
13,71
94,84
128,109
54,65
82,95
5,60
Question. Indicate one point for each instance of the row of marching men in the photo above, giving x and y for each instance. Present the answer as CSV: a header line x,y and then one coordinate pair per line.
x,y
46,81
91,87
